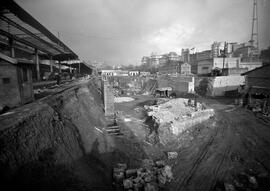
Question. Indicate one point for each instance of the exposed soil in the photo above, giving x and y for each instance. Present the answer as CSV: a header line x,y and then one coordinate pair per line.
x,y
230,150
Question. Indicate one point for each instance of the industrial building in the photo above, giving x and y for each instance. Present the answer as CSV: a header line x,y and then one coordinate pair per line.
x,y
30,53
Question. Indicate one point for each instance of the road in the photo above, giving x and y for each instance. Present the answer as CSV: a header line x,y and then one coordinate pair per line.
x,y
231,150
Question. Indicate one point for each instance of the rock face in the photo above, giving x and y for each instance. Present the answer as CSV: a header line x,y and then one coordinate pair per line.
x,y
54,132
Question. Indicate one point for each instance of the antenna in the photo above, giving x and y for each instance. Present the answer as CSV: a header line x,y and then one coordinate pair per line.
x,y
254,35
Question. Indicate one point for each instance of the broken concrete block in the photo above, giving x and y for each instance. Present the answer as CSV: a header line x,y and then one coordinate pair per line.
x,y
172,155
148,163
150,187
118,176
131,172
161,179
229,187
148,177
160,163
127,183
167,172
122,166
253,182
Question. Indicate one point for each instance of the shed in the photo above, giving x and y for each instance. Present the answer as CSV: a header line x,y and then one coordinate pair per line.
x,y
16,86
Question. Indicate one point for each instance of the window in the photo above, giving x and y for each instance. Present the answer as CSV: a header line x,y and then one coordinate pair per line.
x,y
6,80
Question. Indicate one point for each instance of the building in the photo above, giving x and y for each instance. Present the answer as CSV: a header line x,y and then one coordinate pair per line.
x,y
134,73
145,60
185,69
265,56
173,56
217,48
170,68
258,87
193,63
154,59
164,59
205,66
23,37
185,55
258,78
204,55
114,72
226,63
16,85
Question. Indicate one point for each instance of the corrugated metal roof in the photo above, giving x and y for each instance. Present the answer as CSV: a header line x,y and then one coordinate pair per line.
x,y
16,23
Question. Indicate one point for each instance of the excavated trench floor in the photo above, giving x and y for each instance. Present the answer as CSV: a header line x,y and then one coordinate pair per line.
x,y
230,151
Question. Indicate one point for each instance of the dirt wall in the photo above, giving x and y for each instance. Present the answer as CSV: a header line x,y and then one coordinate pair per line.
x,y
56,143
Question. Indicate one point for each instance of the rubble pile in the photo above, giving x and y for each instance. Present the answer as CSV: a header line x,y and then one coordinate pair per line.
x,y
151,176
176,115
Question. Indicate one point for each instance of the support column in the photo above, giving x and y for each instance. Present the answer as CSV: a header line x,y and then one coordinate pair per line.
x,y
37,64
51,64
59,67
11,45
79,68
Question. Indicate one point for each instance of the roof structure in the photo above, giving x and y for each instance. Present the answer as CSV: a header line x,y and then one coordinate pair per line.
x,y
259,68
17,24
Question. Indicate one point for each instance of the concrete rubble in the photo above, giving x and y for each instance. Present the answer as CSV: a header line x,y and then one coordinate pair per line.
x,y
179,114
151,176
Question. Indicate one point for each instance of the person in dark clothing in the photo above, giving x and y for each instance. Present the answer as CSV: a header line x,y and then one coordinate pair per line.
x,y
58,78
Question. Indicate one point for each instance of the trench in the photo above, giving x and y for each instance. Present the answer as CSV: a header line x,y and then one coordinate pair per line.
x,y
59,143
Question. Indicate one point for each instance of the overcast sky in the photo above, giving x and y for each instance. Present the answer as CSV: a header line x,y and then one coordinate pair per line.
x,y
122,31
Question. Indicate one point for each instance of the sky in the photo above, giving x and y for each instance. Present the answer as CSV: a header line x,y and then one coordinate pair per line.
x,y
121,32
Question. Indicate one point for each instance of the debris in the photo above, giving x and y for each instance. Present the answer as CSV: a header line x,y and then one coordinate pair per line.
x,y
172,155
229,187
167,172
148,163
150,177
127,183
160,163
131,172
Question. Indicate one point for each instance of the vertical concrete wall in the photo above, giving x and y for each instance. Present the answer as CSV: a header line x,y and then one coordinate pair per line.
x,y
9,86
108,98
220,84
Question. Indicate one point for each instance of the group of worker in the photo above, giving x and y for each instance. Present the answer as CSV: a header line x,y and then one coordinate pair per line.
x,y
195,105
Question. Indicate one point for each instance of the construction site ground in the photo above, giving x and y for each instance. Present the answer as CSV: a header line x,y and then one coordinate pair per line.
x,y
230,151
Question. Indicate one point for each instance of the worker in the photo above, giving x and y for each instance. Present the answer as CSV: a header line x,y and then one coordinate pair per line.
x,y
58,78
195,104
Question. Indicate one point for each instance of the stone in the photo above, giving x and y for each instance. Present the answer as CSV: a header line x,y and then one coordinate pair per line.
x,y
118,176
167,172
127,183
253,182
229,187
161,179
148,163
131,172
172,155
160,163
150,187
148,177
122,166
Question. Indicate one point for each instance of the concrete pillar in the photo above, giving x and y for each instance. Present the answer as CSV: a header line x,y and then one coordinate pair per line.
x,y
51,64
59,67
11,45
37,64
79,67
